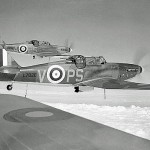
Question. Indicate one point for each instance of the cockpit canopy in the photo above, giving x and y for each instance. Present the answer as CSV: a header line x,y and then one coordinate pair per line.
x,y
78,60
95,60
37,43
81,61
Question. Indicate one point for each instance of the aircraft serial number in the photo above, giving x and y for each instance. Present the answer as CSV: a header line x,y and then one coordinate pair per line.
x,y
30,75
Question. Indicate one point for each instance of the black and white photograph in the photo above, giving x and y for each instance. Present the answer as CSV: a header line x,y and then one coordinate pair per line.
x,y
74,74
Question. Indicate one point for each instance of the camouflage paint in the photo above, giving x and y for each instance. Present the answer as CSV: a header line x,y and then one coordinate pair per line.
x,y
69,74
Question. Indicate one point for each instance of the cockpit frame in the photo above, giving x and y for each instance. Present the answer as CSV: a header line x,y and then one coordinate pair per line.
x,y
81,61
95,60
37,43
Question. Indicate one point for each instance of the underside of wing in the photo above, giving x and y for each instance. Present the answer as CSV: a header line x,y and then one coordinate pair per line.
x,y
126,85
47,54
29,125
47,51
108,83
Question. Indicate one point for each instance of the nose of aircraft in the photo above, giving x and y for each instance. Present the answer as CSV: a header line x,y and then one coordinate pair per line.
x,y
70,50
140,69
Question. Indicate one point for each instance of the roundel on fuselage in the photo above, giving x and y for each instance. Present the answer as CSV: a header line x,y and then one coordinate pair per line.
x,y
55,74
23,48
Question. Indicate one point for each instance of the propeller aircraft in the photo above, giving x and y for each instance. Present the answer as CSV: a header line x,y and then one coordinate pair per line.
x,y
38,48
27,124
83,73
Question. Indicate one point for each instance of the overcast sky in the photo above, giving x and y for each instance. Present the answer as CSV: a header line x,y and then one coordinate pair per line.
x,y
115,29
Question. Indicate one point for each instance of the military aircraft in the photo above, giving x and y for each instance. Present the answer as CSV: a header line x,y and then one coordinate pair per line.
x,y
29,125
83,73
37,48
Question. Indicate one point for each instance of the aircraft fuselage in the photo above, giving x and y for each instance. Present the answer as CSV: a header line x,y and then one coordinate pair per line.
x,y
61,73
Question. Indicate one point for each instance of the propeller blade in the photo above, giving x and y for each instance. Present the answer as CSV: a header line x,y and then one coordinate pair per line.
x,y
70,46
140,54
66,43
146,67
142,60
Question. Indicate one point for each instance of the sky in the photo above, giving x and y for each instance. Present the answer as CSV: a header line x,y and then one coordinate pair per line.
x,y
115,29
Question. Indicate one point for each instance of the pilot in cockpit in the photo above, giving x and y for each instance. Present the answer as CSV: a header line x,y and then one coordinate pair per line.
x,y
100,60
34,42
45,43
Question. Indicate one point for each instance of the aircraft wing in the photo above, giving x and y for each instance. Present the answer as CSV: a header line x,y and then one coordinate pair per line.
x,y
43,51
29,125
109,83
47,54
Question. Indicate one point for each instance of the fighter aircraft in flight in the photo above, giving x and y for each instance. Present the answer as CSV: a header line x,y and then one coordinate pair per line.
x,y
37,48
83,73
29,125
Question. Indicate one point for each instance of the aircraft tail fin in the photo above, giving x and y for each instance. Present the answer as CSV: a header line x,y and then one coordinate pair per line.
x,y
5,59
1,58
3,54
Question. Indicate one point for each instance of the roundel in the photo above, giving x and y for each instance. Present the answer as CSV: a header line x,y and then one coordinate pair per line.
x,y
55,74
23,48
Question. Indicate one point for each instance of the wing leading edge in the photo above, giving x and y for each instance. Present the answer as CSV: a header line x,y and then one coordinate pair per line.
x,y
108,83
29,125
